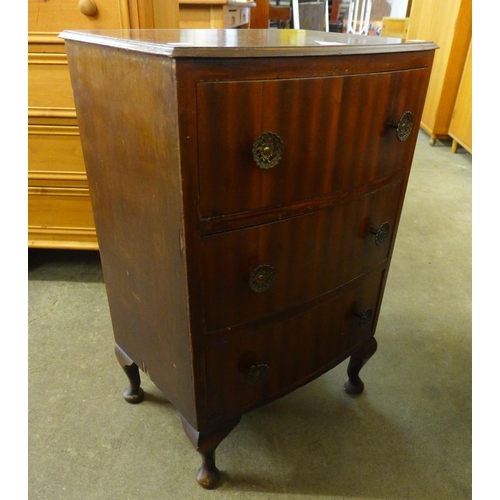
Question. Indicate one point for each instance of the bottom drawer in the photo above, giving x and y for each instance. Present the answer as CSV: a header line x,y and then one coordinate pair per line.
x,y
60,218
252,369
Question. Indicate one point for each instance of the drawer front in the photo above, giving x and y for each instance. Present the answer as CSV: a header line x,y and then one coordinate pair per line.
x,y
327,135
55,157
250,370
49,82
58,15
251,273
59,208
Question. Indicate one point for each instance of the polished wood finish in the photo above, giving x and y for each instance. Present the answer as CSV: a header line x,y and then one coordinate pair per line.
x,y
461,121
328,259
225,189
59,210
297,346
449,24
229,284
266,45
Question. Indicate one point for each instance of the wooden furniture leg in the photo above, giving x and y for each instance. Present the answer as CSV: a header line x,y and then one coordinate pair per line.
x,y
134,393
205,443
354,385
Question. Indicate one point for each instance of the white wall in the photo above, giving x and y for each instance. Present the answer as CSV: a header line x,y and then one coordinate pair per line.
x,y
398,7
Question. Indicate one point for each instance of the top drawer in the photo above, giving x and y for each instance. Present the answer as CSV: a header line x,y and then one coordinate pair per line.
x,y
327,135
58,15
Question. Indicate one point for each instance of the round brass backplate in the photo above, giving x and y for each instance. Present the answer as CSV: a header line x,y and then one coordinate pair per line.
x,y
366,317
267,150
405,126
258,374
382,233
262,278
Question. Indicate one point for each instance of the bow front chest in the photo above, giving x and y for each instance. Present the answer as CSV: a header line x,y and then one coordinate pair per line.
x,y
246,188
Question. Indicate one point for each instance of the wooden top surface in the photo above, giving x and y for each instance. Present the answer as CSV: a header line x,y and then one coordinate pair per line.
x,y
245,43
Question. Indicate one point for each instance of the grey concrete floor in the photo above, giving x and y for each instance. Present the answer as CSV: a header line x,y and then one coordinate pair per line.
x,y
408,436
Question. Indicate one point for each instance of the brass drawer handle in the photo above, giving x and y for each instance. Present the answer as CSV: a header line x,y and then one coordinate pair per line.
x,y
381,234
262,278
404,126
87,7
365,317
258,374
267,150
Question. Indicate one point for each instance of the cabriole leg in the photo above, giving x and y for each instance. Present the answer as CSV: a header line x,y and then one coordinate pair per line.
x,y
354,385
205,443
134,393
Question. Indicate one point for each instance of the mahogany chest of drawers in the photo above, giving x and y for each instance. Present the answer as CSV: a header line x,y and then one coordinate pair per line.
x,y
246,188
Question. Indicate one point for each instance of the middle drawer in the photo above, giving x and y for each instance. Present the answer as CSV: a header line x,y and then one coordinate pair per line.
x,y
254,272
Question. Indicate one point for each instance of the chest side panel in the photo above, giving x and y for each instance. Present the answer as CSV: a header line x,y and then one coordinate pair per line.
x,y
127,111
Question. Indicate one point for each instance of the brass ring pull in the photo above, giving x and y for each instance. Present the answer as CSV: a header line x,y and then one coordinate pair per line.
x,y
258,374
404,126
365,318
381,234
262,278
267,150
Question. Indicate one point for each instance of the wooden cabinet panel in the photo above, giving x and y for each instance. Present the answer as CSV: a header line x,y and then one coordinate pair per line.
x,y
55,157
448,23
48,81
461,122
57,15
60,218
